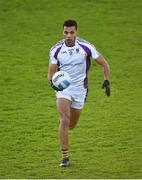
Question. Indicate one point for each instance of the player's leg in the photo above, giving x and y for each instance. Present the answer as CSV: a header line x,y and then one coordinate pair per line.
x,y
64,112
74,117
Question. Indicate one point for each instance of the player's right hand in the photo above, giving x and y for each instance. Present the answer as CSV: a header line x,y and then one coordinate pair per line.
x,y
54,87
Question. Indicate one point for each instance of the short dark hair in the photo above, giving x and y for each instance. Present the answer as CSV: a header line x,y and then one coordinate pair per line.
x,y
70,22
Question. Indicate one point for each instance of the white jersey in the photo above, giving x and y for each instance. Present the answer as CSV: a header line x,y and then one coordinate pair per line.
x,y
74,60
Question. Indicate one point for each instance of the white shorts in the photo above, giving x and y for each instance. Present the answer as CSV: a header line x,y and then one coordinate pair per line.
x,y
76,95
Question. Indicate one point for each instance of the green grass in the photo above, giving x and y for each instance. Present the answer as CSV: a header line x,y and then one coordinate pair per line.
x,y
107,142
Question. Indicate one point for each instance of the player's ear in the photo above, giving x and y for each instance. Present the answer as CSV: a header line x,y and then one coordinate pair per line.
x,y
76,31
63,32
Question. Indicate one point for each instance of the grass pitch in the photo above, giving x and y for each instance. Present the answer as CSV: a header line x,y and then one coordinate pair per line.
x,y
107,141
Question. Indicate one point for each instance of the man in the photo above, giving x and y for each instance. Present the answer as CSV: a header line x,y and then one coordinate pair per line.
x,y
72,55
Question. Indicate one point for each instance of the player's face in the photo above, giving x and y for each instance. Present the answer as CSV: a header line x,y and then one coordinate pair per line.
x,y
70,34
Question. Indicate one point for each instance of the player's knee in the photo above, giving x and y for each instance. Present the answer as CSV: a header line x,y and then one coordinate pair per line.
x,y
64,122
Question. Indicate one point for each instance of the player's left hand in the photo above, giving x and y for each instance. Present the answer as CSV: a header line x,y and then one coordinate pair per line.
x,y
106,86
54,87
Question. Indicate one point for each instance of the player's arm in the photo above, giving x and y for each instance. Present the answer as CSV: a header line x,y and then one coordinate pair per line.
x,y
51,71
101,60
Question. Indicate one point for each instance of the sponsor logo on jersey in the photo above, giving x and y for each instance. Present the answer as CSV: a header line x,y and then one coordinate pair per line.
x,y
63,52
70,51
77,50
